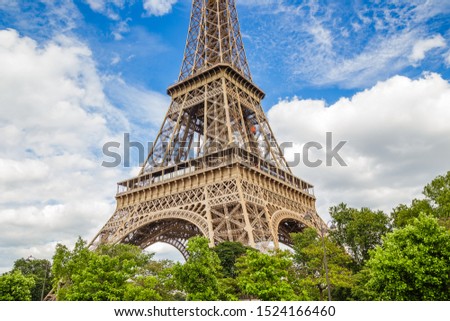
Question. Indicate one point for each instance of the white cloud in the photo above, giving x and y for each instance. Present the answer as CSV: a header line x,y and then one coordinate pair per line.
x,y
56,113
398,140
112,9
321,35
43,18
447,58
8,4
421,47
54,118
108,8
25,171
139,104
255,2
379,58
163,251
121,28
115,59
97,5
158,7
351,46
35,230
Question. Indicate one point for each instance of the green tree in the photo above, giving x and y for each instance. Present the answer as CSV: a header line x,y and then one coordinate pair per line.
x,y
200,277
67,263
155,284
438,193
143,288
268,277
358,231
14,286
107,274
436,204
412,264
228,253
310,266
40,271
402,215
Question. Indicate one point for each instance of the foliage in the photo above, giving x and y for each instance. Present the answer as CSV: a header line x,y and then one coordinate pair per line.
x,y
112,272
228,253
412,264
39,270
267,277
360,291
201,275
358,231
143,289
156,284
14,286
436,204
402,215
67,263
310,266
438,193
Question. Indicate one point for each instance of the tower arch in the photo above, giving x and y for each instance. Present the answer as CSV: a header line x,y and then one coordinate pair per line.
x,y
174,227
284,222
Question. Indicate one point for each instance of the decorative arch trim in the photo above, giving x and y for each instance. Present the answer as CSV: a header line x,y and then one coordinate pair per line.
x,y
282,215
152,217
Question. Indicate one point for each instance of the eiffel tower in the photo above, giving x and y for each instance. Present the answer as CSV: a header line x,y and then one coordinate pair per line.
x,y
215,168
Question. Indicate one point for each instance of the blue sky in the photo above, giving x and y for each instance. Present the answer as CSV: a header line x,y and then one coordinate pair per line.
x,y
312,49
75,74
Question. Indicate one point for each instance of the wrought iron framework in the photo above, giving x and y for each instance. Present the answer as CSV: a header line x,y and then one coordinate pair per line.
x,y
215,168
214,37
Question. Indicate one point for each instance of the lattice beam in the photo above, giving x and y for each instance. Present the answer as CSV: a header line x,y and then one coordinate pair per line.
x,y
214,37
215,168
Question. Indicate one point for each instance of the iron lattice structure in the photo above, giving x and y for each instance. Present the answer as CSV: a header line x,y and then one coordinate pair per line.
x,y
215,168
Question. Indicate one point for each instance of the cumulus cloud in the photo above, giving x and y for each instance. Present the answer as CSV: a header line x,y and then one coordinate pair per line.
x,y
26,171
48,89
158,7
421,47
56,113
54,118
397,134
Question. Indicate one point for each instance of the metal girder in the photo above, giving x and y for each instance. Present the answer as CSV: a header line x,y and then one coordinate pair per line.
x,y
215,168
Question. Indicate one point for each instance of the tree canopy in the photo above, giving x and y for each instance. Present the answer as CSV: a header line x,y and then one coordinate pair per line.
x,y
310,266
412,264
438,194
267,277
200,277
40,271
436,203
111,273
228,253
403,215
358,231
15,286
